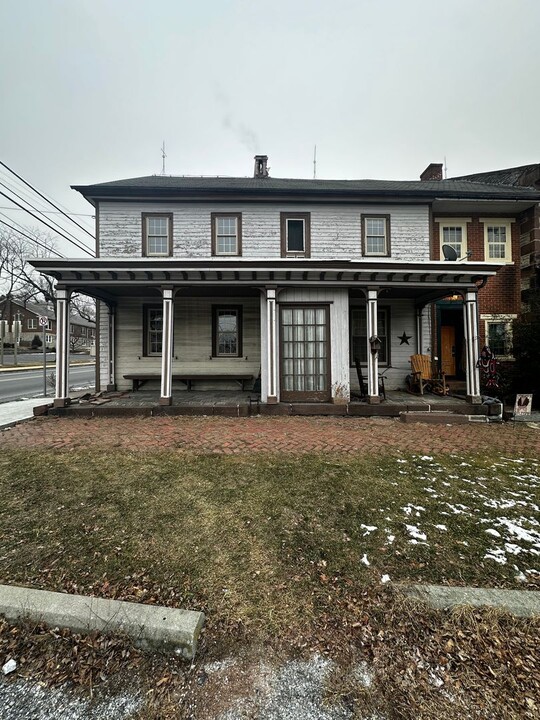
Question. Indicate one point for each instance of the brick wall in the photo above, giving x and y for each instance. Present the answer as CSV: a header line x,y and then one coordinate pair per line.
x,y
502,293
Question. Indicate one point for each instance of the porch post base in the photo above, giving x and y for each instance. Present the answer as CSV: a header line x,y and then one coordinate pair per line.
x,y
61,402
474,399
374,400
271,400
111,388
165,400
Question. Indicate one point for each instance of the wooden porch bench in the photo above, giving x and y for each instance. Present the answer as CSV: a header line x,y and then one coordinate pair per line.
x,y
188,378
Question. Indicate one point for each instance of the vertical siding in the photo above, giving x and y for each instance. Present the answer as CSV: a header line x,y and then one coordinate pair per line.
x,y
335,229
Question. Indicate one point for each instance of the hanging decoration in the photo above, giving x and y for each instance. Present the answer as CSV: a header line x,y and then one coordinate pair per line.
x,y
404,339
489,369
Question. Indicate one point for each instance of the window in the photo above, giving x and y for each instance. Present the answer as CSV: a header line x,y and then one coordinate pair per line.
x,y
157,234
226,233
497,239
498,334
153,330
375,235
32,323
453,232
226,331
49,339
359,335
295,234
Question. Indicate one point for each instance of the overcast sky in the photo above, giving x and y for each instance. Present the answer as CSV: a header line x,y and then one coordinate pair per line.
x,y
91,88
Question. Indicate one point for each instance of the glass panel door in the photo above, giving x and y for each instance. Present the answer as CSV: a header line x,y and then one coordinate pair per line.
x,y
304,353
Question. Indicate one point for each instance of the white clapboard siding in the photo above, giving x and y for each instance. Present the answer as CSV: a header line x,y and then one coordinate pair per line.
x,y
103,340
338,300
402,318
335,229
192,352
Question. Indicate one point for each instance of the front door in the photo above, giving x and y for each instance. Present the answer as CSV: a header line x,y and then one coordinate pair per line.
x,y
305,361
448,349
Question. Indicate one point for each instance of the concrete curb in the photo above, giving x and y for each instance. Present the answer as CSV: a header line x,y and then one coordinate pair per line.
x,y
51,366
522,603
149,626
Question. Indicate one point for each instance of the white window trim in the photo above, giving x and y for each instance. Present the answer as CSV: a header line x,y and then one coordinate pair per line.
x,y
497,319
498,222
32,324
460,222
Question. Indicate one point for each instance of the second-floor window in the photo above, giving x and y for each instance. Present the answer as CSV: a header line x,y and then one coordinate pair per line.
x,y
295,234
497,240
226,233
157,234
453,232
376,235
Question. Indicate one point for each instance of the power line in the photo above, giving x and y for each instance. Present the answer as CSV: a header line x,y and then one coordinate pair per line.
x,y
76,239
65,237
46,199
42,245
51,212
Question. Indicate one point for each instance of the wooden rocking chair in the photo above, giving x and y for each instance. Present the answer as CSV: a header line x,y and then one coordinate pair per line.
x,y
425,377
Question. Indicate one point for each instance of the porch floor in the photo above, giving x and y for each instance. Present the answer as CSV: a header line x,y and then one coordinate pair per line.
x,y
238,403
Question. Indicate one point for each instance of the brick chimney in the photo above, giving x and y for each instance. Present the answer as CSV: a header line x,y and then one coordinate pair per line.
x,y
432,172
261,166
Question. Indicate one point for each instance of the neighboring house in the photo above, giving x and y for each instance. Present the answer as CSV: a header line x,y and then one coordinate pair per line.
x,y
290,278
82,332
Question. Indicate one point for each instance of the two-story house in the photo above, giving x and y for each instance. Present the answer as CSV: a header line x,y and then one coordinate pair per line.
x,y
216,278
82,332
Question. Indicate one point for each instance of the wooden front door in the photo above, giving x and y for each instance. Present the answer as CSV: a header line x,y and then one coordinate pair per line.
x,y
305,360
448,349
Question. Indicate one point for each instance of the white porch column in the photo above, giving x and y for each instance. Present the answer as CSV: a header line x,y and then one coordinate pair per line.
x,y
372,357
470,311
271,364
420,311
61,396
167,347
111,370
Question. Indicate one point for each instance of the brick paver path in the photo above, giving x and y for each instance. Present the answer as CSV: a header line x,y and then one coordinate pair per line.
x,y
280,434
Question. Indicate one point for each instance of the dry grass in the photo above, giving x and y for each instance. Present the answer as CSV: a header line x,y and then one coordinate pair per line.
x,y
271,548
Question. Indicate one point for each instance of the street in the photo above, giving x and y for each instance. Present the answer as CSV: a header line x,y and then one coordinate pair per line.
x,y
29,383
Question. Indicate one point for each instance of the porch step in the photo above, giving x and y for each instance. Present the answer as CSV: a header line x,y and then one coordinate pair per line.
x,y
440,417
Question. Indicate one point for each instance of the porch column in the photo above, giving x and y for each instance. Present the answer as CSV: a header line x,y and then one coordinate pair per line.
x,y
167,347
61,395
372,356
271,344
420,311
111,370
470,311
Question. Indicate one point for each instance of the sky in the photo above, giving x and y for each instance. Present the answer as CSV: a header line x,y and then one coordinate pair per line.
x,y
90,89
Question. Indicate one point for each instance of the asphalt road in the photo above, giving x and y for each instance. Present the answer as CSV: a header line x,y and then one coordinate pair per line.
x,y
29,383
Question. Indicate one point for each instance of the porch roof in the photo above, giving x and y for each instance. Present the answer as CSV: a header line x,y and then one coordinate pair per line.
x,y
107,278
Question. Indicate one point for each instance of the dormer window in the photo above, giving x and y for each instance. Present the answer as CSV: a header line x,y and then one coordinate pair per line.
x,y
226,234
295,234
157,234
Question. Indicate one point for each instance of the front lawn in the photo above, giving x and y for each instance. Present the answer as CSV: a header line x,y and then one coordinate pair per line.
x,y
257,540
290,554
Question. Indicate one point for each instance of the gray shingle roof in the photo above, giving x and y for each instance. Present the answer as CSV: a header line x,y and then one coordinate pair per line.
x,y
524,175
169,185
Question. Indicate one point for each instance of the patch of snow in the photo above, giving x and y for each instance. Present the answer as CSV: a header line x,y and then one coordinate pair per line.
x,y
385,579
365,560
493,532
497,554
368,528
390,538
441,527
426,457
415,532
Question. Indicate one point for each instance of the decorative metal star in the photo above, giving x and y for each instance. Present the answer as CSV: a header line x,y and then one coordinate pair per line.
x,y
404,339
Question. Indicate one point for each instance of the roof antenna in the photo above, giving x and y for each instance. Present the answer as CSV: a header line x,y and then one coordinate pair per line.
x,y
315,163
445,173
163,156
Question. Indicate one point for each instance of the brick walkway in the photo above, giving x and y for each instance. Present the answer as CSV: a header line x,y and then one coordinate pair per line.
x,y
280,434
